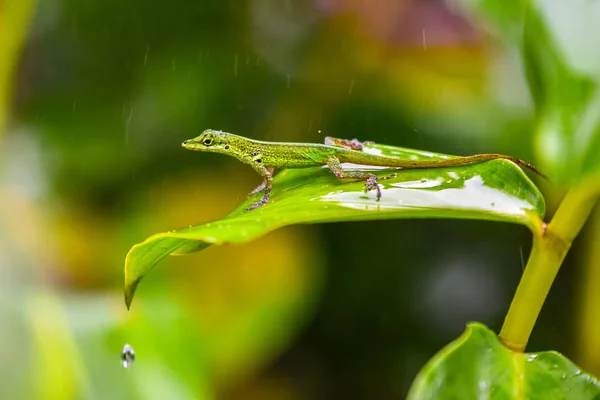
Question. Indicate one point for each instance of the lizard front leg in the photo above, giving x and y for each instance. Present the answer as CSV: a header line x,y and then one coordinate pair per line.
x,y
370,179
266,186
262,185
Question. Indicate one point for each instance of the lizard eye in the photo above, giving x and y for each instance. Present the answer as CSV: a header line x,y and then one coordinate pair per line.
x,y
208,141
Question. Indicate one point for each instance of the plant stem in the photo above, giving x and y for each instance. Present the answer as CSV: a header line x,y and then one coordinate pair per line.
x,y
550,246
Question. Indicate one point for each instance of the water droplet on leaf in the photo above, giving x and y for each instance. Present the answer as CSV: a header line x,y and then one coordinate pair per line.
x,y
127,356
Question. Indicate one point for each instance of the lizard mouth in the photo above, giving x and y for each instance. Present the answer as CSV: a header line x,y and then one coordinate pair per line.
x,y
190,145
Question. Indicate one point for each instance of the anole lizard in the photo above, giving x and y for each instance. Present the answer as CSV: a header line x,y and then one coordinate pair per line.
x,y
264,157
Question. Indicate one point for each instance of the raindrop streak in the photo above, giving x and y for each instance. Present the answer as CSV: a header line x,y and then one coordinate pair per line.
x,y
127,125
146,55
522,258
127,356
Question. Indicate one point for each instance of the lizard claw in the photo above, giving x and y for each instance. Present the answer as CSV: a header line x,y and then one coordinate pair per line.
x,y
262,202
371,184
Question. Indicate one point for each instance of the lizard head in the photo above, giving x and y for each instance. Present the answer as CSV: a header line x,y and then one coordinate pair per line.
x,y
209,140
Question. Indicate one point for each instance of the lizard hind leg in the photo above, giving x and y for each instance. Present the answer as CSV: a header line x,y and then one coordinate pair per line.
x,y
371,180
353,144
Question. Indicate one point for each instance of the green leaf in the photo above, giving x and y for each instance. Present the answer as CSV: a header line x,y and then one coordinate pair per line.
x,y
558,42
550,77
504,17
497,190
567,102
478,366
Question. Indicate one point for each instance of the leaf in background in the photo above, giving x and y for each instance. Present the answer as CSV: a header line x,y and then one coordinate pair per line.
x,y
250,302
477,365
169,344
567,103
588,300
57,371
563,71
14,23
504,17
496,190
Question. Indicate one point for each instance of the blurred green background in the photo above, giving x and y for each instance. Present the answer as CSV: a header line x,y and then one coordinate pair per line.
x,y
98,97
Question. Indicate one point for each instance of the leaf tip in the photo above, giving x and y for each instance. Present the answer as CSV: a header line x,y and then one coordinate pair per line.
x,y
128,299
129,291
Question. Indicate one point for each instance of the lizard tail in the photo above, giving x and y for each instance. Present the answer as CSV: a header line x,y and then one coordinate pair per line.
x,y
520,163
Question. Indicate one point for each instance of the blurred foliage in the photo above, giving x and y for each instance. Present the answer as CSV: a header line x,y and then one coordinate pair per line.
x,y
563,73
567,103
91,162
588,347
14,22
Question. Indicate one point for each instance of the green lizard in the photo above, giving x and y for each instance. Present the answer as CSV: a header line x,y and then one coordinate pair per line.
x,y
264,157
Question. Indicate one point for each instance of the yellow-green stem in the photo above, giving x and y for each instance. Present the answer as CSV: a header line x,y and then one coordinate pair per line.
x,y
550,246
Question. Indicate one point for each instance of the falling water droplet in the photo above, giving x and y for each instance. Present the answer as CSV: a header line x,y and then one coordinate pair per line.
x,y
127,356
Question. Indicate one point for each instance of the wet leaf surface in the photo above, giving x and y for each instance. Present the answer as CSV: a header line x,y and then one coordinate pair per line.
x,y
495,190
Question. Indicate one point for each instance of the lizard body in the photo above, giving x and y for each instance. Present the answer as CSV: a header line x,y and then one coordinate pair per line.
x,y
266,156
